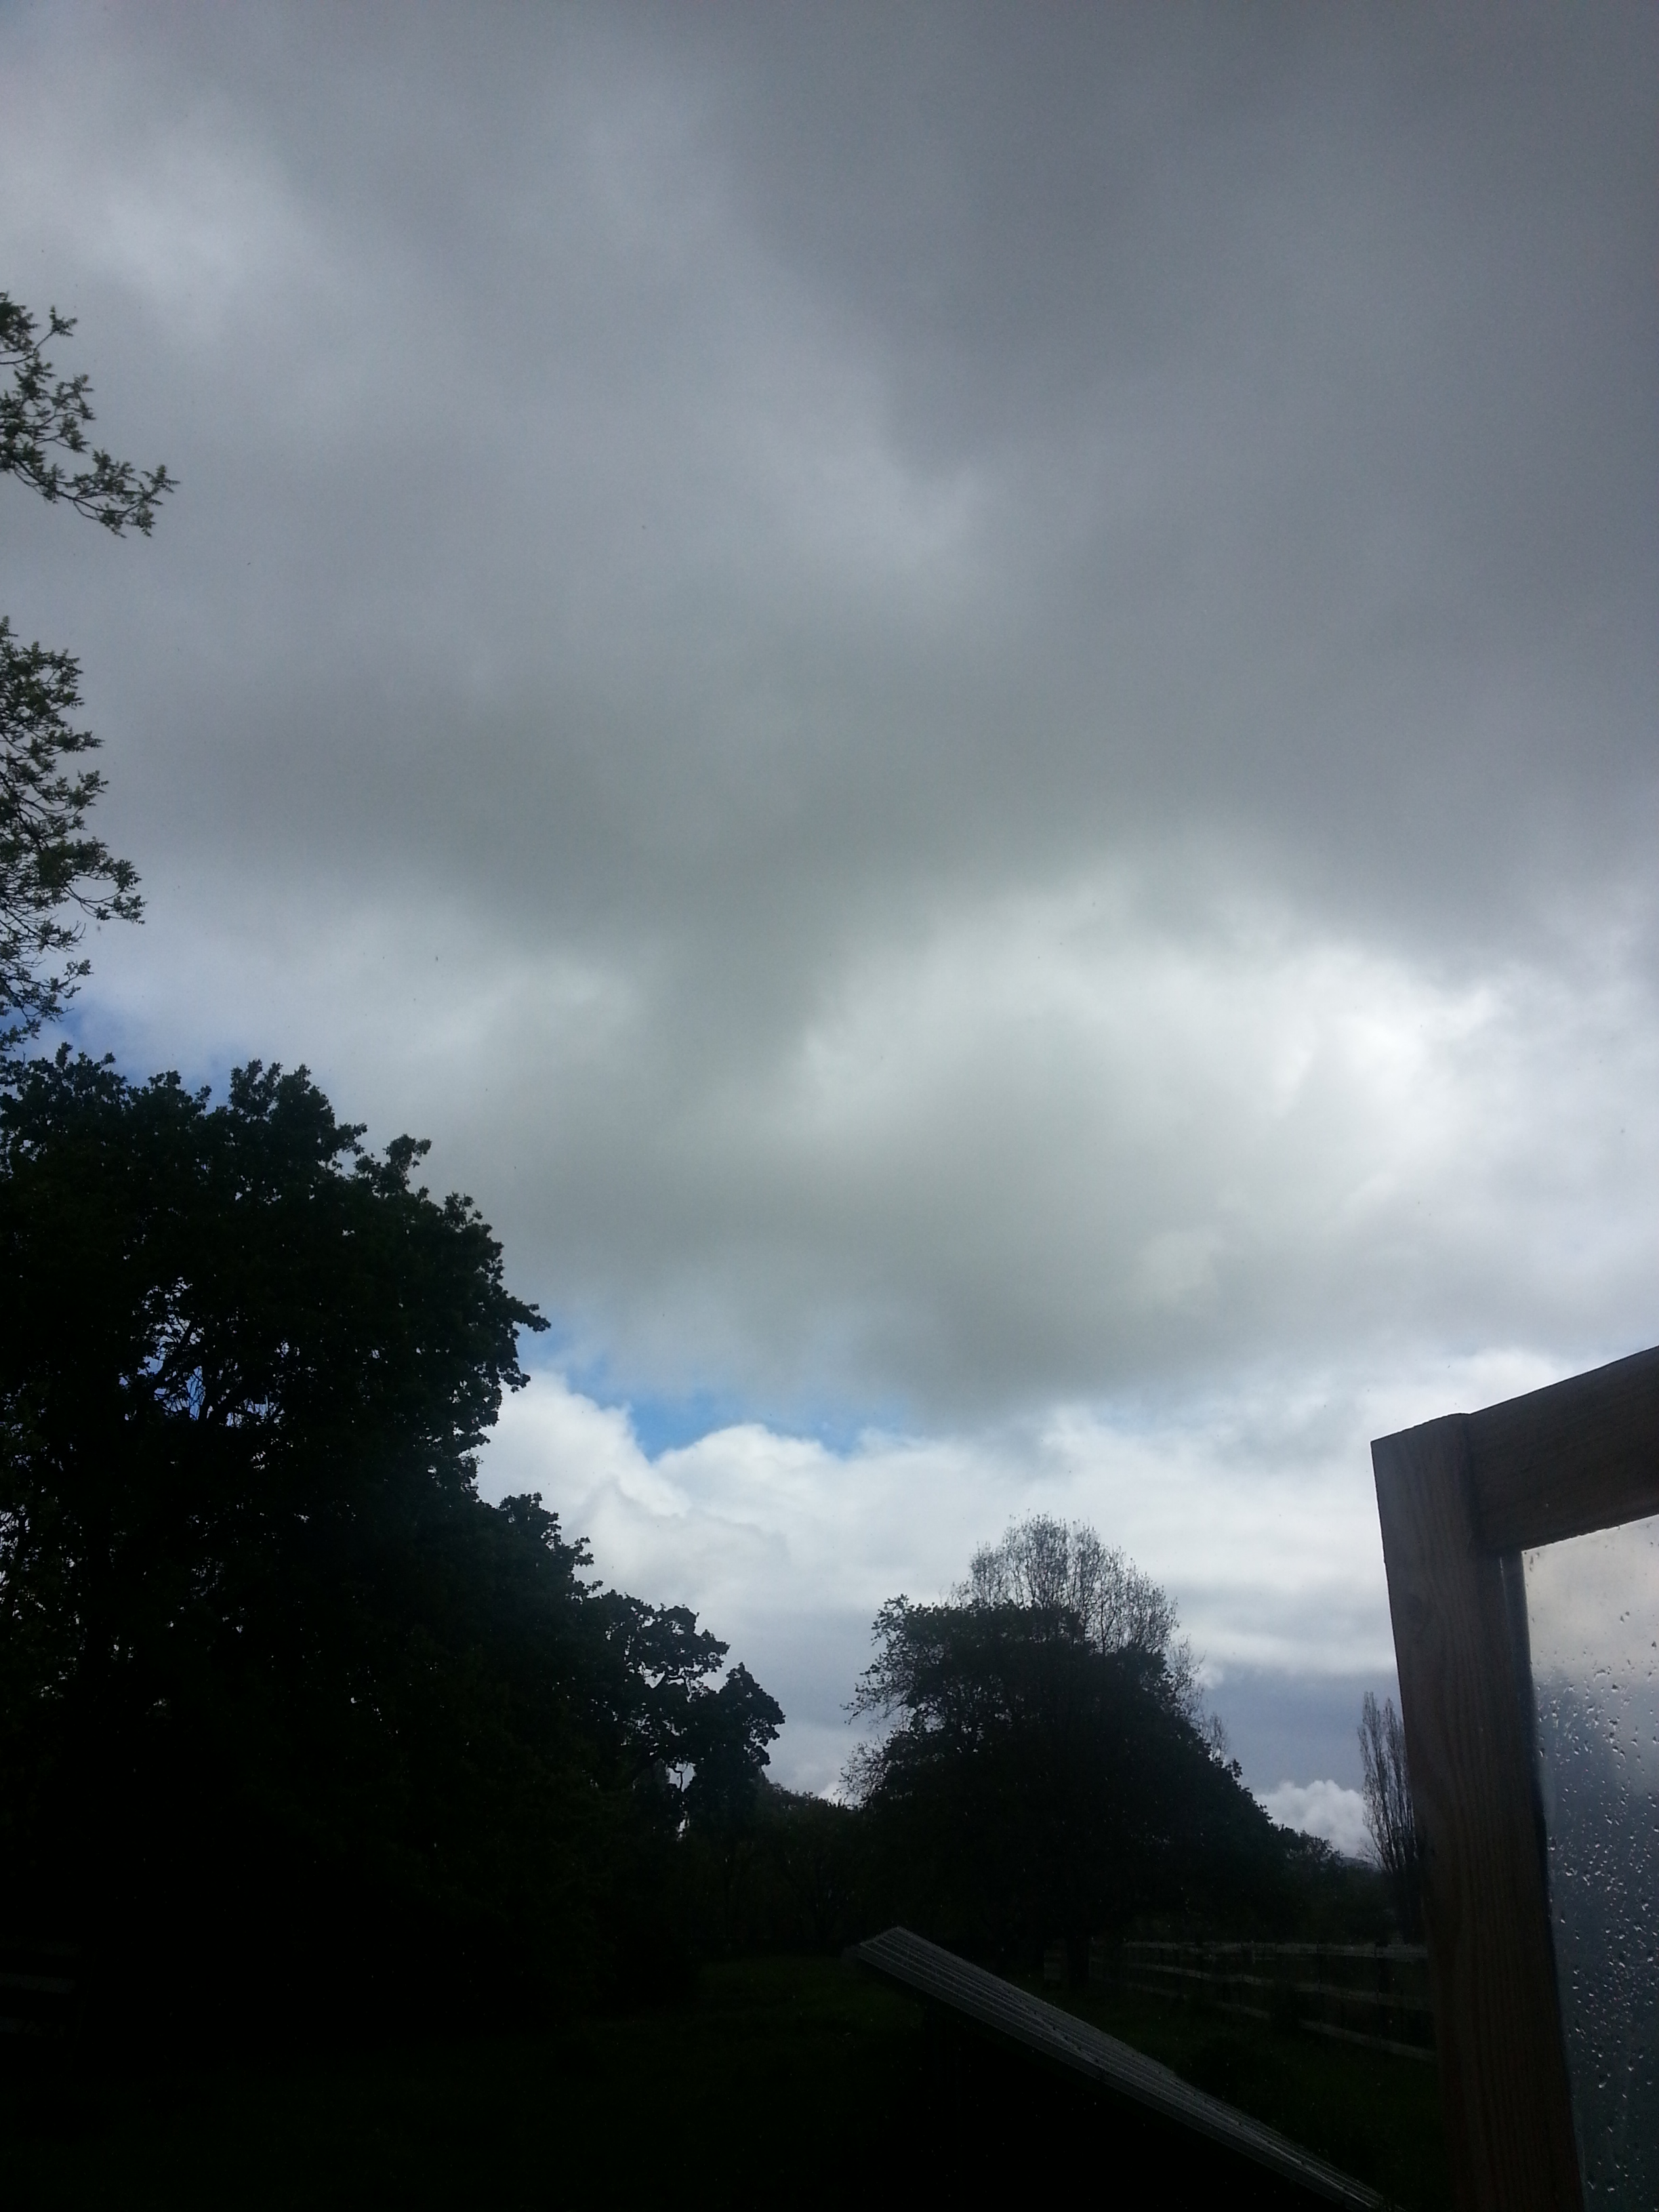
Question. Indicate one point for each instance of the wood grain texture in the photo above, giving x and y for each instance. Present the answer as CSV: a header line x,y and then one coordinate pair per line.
x,y
1503,2078
1582,1454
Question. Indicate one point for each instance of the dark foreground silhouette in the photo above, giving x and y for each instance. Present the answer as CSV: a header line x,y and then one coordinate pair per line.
x,y
292,1726
781,2080
299,1736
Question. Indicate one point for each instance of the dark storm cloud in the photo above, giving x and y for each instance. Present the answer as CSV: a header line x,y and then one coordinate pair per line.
x,y
1360,307
965,696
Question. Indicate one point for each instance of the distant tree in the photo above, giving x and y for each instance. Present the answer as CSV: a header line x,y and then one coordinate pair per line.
x,y
725,1738
1046,1566
1044,1563
1390,1815
53,877
277,1690
1041,1771
787,1874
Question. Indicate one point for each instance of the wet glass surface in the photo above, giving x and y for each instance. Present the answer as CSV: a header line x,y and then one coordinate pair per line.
x,y
1593,1621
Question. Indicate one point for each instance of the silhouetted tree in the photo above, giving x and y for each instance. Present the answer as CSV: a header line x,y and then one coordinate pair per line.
x,y
53,877
725,1739
1390,1815
44,416
1046,1564
277,1691
1044,1771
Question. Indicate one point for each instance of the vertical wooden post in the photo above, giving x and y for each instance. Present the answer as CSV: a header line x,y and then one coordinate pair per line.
x,y
1503,2071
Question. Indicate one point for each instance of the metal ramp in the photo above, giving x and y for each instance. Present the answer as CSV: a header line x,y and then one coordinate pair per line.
x,y
939,1974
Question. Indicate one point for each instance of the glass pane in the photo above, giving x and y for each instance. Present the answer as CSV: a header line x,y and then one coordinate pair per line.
x,y
1593,1618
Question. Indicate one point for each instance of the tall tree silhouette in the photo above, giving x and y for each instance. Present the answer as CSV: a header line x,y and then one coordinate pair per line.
x,y
1390,1815
1045,1769
54,876
278,1690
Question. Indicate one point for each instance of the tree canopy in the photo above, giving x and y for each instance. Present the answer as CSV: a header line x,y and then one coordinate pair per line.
x,y
54,877
1047,1567
259,1636
1045,1769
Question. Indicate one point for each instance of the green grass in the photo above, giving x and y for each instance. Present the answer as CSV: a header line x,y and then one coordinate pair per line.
x,y
1369,2114
779,2082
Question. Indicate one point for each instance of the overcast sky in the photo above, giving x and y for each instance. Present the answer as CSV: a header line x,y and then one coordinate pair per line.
x,y
964,698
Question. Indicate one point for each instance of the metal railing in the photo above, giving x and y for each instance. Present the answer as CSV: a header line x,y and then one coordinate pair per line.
x,y
1375,1994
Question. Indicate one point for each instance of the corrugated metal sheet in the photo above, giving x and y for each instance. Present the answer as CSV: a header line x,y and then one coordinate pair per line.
x,y
994,2003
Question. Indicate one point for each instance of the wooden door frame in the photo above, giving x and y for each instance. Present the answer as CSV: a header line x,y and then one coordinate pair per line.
x,y
1459,1499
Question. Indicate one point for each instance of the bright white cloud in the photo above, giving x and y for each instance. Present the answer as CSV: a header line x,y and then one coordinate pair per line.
x,y
1257,1515
1325,1809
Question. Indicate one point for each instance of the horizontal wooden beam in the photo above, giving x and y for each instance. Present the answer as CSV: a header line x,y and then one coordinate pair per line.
x,y
1579,1455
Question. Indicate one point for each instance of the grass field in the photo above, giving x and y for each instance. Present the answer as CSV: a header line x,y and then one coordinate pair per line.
x,y
1369,2114
781,2082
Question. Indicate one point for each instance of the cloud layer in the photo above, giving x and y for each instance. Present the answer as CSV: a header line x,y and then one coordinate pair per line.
x,y
964,700
1254,1510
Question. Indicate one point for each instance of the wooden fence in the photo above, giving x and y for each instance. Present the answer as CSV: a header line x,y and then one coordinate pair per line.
x,y
1375,1994
39,1985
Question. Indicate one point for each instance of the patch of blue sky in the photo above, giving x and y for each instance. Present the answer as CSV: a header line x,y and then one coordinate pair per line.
x,y
85,1026
669,1419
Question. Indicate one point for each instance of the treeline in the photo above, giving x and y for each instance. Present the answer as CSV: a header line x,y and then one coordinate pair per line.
x,y
1043,1770
285,1708
294,1725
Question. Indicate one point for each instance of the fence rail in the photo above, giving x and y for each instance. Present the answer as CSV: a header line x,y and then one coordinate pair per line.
x,y
1375,1994
39,1985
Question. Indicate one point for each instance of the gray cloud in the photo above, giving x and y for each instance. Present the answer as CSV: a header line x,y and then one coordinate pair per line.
x,y
965,699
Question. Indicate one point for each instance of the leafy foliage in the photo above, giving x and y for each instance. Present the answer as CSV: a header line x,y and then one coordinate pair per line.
x,y
48,865
43,415
1046,1566
53,877
791,1873
274,1681
1046,1772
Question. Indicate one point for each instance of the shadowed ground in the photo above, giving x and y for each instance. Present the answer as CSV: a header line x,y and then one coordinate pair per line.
x,y
782,2080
